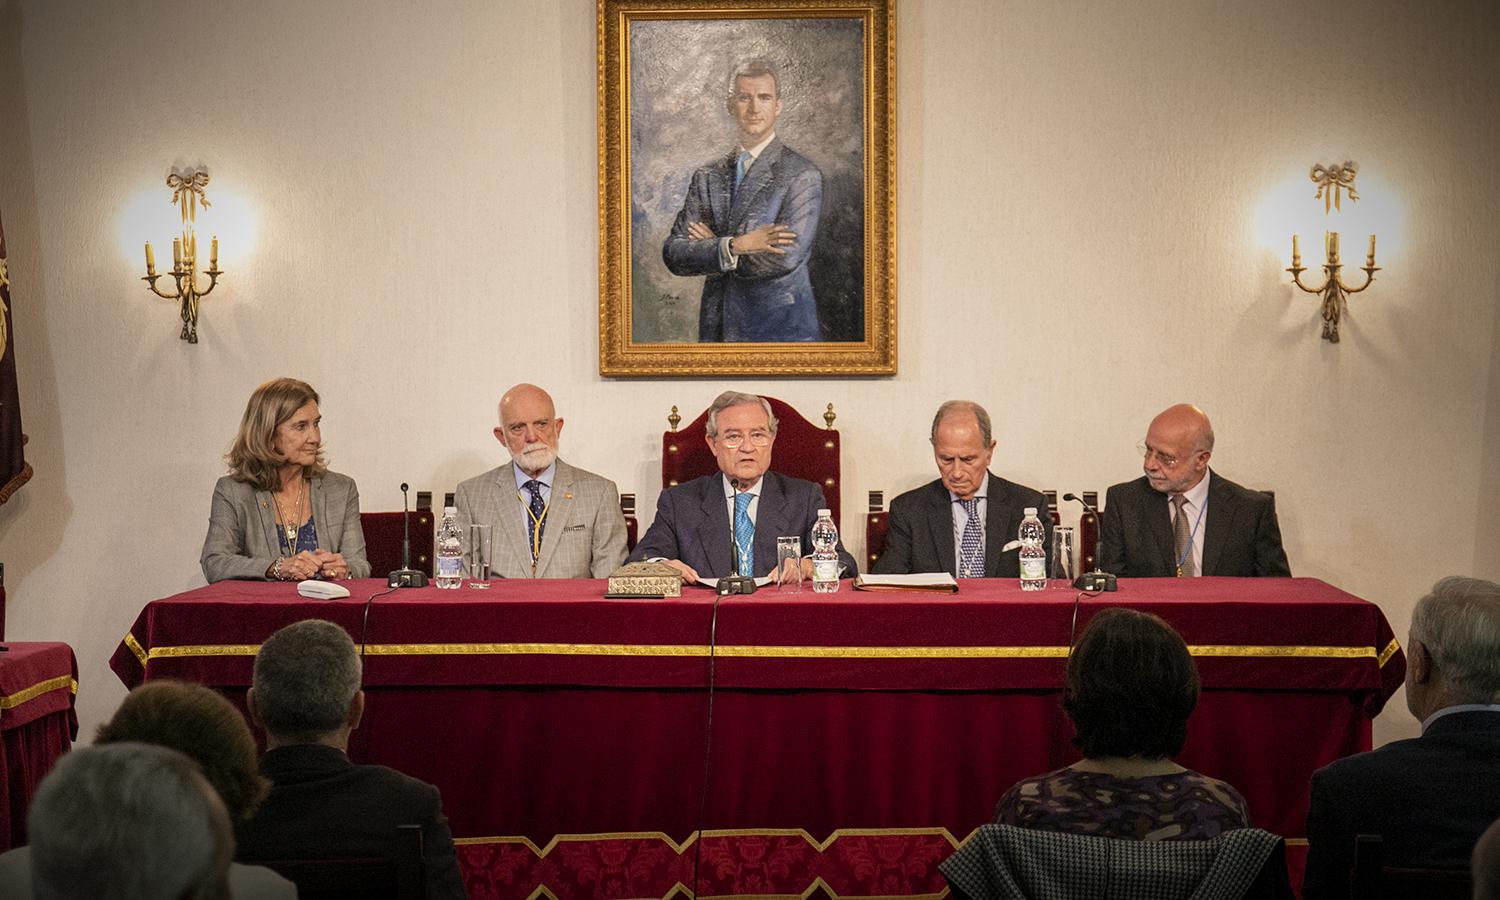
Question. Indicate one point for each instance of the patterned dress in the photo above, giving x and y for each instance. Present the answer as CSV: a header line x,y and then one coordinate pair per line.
x,y
1184,806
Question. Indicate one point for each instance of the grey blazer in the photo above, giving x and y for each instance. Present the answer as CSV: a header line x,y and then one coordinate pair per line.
x,y
585,532
242,543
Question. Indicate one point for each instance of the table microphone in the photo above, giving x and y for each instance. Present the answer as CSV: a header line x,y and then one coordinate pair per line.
x,y
1097,582
736,583
406,576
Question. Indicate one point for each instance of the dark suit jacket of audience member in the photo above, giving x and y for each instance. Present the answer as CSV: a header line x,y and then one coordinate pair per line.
x,y
323,805
1240,534
1429,797
920,536
692,524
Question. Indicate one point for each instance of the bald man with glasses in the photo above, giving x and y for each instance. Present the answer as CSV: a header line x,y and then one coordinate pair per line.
x,y
1183,519
713,525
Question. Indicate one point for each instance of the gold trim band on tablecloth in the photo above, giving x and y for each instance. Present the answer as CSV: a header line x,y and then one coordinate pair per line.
x,y
821,846
768,652
11,701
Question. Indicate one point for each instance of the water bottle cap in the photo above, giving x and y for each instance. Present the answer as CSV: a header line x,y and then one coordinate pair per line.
x,y
450,511
1030,510
825,512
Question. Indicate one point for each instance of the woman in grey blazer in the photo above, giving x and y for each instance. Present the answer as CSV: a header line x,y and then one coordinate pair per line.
x,y
280,514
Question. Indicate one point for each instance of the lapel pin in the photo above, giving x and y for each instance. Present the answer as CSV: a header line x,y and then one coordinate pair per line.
x,y
568,495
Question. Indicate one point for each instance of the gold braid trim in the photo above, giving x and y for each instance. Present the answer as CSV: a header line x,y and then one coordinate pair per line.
x,y
136,648
1390,650
759,652
821,846
11,701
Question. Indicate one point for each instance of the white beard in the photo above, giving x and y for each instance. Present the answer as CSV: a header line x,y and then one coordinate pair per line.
x,y
534,457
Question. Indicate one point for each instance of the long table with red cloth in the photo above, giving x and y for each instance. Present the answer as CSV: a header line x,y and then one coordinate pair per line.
x,y
857,738
38,683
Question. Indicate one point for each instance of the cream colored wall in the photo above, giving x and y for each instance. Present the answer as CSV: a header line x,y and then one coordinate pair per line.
x,y
1072,177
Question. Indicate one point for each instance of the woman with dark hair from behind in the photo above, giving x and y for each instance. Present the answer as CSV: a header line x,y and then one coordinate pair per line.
x,y
1129,689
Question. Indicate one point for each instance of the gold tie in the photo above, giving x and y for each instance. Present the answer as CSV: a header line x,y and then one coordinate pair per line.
x,y
1182,538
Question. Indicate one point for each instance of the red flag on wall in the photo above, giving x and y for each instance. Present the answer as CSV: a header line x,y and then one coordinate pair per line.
x,y
14,471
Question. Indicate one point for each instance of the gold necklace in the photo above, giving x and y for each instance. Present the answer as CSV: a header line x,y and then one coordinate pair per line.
x,y
289,525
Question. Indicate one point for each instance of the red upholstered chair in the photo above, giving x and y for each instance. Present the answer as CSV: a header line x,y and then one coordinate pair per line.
x,y
401,876
803,450
877,527
1372,879
383,540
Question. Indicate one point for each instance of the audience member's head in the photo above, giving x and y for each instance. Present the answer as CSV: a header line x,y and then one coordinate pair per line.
x,y
1453,651
305,688
1486,864
1130,687
199,722
128,822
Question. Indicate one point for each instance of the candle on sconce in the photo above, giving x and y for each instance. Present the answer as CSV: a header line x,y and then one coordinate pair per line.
x,y
176,251
150,260
1371,260
1296,253
1333,246
213,252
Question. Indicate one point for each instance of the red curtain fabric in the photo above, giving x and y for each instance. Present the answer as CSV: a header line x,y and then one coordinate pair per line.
x,y
856,739
38,682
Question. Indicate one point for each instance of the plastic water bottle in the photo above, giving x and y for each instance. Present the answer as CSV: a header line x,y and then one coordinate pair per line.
x,y
450,551
825,557
1033,555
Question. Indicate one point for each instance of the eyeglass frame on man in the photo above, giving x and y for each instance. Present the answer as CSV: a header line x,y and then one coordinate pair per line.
x,y
733,439
1166,462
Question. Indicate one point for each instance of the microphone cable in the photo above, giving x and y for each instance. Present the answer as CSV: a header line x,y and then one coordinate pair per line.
x,y
708,739
364,634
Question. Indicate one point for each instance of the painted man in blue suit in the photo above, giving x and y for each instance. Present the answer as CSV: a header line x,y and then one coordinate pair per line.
x,y
748,225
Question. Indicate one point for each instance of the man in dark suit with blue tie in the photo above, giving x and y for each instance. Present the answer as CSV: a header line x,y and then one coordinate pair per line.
x,y
748,225
713,524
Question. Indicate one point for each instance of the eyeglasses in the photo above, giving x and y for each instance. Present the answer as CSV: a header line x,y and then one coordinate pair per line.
x,y
734,439
1166,461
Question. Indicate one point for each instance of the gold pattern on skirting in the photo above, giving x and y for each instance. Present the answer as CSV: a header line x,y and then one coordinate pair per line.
x,y
765,652
11,701
821,846
136,648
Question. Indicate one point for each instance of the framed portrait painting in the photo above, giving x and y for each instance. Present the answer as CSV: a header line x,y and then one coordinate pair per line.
x,y
746,202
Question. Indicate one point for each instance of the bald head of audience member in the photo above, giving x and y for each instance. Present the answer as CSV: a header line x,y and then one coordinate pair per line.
x,y
305,688
1453,649
1177,448
128,821
529,428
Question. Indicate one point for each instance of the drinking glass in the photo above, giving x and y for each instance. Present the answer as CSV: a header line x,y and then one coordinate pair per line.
x,y
481,545
789,564
1062,554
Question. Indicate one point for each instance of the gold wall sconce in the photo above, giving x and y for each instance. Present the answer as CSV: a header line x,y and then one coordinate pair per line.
x,y
1332,181
187,194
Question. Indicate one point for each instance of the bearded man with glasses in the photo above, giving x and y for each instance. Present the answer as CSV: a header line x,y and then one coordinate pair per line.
x,y
1181,518
727,523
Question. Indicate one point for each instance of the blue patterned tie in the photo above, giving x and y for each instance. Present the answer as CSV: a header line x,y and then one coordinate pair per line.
x,y
971,544
744,533
537,521
741,167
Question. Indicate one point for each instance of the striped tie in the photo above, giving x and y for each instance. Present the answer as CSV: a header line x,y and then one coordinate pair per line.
x,y
1182,539
971,544
744,533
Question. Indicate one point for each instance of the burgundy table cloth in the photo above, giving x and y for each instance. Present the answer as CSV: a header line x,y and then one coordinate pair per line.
x,y
857,738
38,683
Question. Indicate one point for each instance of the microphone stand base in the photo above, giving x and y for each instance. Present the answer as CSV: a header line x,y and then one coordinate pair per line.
x,y
735,584
406,578
1096,582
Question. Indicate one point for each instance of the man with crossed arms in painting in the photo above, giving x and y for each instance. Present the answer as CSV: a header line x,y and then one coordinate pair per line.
x,y
748,225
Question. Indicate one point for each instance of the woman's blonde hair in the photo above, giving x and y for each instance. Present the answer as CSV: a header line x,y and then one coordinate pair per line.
x,y
252,457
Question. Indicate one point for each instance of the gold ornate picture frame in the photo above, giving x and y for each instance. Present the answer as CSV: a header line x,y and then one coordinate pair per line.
x,y
746,187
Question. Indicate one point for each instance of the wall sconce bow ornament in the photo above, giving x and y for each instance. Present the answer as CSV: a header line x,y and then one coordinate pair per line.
x,y
1331,182
187,194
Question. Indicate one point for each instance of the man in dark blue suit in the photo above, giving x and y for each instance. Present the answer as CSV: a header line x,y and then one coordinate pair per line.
x,y
748,225
1429,797
704,526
